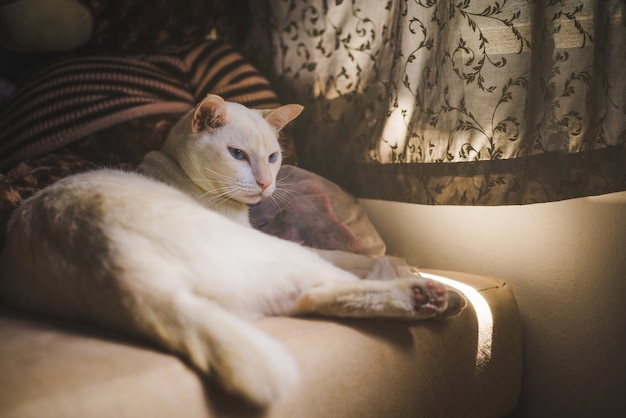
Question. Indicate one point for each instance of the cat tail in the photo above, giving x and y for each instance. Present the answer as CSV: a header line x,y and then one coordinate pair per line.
x,y
245,360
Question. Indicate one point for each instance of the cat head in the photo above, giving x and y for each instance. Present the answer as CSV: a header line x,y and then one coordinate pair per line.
x,y
229,150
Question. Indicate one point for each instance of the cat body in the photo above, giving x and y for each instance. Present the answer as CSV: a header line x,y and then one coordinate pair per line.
x,y
141,254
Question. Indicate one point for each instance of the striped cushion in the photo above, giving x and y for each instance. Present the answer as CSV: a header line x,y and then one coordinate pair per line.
x,y
76,97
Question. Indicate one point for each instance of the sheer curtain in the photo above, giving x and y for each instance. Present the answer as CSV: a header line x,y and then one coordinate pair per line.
x,y
453,102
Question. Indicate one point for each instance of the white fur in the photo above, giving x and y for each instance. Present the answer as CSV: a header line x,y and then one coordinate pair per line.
x,y
142,257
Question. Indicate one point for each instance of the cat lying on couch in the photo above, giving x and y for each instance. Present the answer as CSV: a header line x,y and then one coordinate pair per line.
x,y
168,254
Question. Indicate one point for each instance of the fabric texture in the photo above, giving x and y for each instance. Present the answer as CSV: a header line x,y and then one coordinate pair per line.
x,y
475,102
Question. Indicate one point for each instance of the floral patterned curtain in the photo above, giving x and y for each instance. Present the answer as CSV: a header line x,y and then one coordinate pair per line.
x,y
453,102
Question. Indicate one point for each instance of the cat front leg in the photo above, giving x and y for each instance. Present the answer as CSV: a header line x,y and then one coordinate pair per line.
x,y
409,299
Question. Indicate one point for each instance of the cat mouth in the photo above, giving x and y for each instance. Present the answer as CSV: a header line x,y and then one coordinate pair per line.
x,y
251,199
254,198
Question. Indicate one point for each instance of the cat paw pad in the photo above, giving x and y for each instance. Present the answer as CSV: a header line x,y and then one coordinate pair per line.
x,y
433,298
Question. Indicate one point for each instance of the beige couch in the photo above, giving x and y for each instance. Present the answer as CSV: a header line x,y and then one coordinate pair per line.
x,y
349,368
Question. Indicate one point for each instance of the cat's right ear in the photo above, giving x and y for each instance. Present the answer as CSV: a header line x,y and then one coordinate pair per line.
x,y
281,116
209,115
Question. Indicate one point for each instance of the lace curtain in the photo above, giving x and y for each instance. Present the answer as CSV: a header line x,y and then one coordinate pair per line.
x,y
453,102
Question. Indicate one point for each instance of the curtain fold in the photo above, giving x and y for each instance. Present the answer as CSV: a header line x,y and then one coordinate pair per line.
x,y
453,102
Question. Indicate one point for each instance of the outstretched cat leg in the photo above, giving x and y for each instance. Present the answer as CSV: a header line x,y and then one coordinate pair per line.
x,y
245,360
410,299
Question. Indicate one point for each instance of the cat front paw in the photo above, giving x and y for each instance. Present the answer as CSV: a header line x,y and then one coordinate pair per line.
x,y
434,299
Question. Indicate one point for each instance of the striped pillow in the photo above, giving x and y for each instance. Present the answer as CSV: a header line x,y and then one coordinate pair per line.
x,y
76,97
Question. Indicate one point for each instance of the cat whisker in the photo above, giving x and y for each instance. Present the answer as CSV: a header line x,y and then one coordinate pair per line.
x,y
276,202
219,195
222,192
285,174
214,177
216,201
217,174
282,197
201,181
220,178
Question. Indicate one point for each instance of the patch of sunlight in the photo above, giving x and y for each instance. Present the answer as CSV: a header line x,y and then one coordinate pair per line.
x,y
484,316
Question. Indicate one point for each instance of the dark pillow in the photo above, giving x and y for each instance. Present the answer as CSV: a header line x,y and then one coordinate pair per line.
x,y
315,212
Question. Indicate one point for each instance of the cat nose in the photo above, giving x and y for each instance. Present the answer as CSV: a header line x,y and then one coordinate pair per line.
x,y
263,184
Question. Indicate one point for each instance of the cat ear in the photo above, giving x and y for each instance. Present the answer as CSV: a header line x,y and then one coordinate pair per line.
x,y
281,116
210,114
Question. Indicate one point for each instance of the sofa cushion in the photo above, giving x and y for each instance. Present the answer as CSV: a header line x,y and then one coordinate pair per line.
x,y
349,368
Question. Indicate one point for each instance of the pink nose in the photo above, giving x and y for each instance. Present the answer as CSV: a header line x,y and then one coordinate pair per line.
x,y
263,184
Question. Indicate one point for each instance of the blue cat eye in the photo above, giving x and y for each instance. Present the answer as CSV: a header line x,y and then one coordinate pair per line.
x,y
237,153
273,157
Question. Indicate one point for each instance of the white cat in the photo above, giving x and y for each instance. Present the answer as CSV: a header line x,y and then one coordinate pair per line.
x,y
146,257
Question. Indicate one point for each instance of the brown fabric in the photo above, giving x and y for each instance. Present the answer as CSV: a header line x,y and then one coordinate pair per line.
x,y
348,369
75,97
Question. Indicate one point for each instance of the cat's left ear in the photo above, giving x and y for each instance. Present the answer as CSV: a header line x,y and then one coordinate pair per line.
x,y
281,116
210,114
